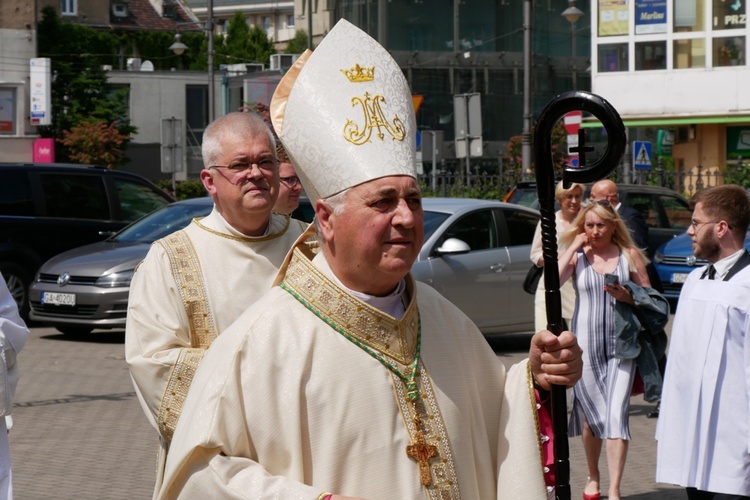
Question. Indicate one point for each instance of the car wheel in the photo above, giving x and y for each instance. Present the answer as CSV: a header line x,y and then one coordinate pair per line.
x,y
74,331
18,282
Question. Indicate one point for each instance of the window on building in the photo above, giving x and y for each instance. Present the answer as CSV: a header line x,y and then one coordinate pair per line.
x,y
69,7
729,51
290,21
689,15
728,15
613,57
7,111
613,19
266,23
690,53
650,55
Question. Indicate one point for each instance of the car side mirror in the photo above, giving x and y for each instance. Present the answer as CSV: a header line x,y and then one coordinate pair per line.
x,y
453,246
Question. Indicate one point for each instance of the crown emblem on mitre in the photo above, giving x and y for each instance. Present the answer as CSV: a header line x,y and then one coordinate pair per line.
x,y
359,74
342,131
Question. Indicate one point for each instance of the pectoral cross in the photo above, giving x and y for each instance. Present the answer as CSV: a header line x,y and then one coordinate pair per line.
x,y
422,453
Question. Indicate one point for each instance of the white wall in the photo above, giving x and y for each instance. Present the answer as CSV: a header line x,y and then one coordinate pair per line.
x,y
662,93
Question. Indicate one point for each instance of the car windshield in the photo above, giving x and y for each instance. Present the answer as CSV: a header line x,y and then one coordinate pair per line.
x,y
432,221
162,222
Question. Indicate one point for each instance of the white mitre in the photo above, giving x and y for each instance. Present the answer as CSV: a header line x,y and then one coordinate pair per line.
x,y
345,115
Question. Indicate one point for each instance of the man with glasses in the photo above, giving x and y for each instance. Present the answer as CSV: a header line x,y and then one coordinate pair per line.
x,y
704,431
290,186
195,282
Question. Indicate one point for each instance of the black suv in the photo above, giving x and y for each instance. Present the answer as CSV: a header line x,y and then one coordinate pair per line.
x,y
667,213
46,209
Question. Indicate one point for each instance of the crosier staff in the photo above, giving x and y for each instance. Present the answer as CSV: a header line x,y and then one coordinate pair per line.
x,y
545,182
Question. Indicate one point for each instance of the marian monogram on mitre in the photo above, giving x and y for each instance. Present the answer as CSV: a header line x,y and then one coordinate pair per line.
x,y
372,110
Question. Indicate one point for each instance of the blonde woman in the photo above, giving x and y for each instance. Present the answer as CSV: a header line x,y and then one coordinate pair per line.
x,y
598,250
570,203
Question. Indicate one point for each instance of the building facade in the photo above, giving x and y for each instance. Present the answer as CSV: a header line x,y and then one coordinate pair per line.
x,y
677,66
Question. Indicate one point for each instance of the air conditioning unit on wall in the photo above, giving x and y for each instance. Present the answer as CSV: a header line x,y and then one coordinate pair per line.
x,y
282,61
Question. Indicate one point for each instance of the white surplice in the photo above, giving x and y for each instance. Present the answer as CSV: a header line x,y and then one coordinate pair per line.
x,y
703,430
233,271
284,405
13,336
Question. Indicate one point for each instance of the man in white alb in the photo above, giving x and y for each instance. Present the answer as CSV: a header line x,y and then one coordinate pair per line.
x,y
195,282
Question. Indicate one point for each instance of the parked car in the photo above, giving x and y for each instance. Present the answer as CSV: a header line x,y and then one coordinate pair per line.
x,y
46,209
667,213
87,287
476,254
675,260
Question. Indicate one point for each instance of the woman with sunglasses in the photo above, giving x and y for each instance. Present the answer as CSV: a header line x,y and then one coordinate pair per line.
x,y
600,256
570,203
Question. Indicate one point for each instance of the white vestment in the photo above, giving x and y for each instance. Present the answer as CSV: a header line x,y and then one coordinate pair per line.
x,y
285,406
215,273
13,336
703,430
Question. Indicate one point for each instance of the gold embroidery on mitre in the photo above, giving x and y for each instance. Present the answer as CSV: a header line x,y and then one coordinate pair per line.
x,y
374,118
359,73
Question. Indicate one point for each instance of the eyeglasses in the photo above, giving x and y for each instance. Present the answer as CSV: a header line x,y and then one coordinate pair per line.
x,y
603,203
696,224
291,181
265,165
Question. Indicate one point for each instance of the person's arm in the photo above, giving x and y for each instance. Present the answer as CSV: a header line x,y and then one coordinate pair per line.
x,y
13,336
157,336
536,247
567,261
639,277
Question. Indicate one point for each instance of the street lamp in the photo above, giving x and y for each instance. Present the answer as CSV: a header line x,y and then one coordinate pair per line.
x,y
572,14
179,48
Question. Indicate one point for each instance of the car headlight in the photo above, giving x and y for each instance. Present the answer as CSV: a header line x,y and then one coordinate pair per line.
x,y
116,280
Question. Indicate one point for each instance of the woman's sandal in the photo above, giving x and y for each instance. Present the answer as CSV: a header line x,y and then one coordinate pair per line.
x,y
592,496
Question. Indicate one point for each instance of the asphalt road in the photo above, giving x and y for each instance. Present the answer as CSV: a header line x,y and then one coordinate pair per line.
x,y
79,432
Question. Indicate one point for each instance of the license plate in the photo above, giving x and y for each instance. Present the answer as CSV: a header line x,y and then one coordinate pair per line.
x,y
59,299
679,277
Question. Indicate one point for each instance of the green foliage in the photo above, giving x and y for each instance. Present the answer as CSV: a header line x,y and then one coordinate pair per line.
x,y
185,189
243,44
733,175
298,44
80,90
559,150
93,142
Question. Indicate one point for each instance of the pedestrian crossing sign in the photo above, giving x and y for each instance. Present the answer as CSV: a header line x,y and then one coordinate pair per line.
x,y
641,154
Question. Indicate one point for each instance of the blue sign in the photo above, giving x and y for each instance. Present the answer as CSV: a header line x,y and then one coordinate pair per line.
x,y
650,16
419,140
642,154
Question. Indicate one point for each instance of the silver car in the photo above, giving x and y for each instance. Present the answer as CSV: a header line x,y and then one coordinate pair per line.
x,y
87,287
476,254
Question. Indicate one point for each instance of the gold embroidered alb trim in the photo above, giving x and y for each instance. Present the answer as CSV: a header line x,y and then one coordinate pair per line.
x,y
396,341
177,389
246,238
187,273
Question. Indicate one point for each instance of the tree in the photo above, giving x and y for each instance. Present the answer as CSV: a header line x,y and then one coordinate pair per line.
x,y
559,148
80,90
298,44
243,44
93,142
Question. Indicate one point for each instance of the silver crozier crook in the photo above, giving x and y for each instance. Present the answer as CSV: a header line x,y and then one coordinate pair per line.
x,y
545,181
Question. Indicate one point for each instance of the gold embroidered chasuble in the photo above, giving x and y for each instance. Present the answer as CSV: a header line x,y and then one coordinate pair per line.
x,y
391,341
286,405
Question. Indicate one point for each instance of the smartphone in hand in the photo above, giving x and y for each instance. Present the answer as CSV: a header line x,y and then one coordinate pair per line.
x,y
611,279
